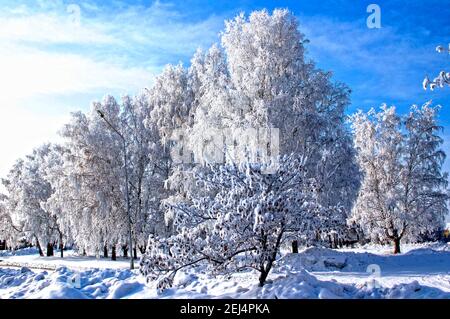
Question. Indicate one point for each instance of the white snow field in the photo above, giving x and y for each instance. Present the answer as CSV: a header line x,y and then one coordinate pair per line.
x,y
422,271
30,258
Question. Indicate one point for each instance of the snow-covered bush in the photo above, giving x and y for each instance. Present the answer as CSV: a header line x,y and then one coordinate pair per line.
x,y
242,226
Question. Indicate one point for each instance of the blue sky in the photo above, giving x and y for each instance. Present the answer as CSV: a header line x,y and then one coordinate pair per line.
x,y
54,60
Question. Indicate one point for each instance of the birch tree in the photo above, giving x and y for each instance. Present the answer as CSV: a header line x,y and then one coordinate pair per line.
x,y
403,188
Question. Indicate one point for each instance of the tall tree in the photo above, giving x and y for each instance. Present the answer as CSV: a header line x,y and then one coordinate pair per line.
x,y
257,83
171,100
95,167
28,190
146,167
403,188
8,232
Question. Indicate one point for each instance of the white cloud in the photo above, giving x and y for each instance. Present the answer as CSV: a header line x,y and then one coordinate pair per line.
x,y
21,131
46,56
130,27
30,77
26,72
51,28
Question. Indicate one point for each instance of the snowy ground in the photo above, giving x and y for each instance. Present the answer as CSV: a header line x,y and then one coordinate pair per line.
x,y
422,271
30,258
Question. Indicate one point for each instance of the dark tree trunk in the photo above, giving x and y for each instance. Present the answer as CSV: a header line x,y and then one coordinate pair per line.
x,y
61,245
105,251
125,251
41,253
135,252
295,246
262,277
84,251
142,249
50,250
266,267
264,271
397,246
113,253
38,245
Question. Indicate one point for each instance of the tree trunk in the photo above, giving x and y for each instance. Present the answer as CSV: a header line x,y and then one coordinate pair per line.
x,y
50,250
105,251
113,253
84,251
135,252
61,245
295,246
125,251
38,245
265,269
142,249
396,245
262,277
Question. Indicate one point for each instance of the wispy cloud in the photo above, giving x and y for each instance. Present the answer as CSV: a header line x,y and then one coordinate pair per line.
x,y
50,27
21,131
54,56
384,65
26,72
376,63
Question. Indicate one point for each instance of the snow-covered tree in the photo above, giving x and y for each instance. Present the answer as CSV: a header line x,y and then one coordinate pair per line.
x,y
96,170
242,226
172,102
259,79
95,180
10,202
424,182
57,204
403,188
146,167
8,232
28,190
443,79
